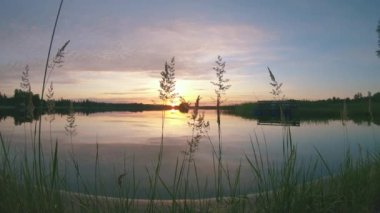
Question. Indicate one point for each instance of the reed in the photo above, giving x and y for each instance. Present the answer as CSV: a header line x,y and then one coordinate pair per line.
x,y
221,87
199,127
70,127
166,94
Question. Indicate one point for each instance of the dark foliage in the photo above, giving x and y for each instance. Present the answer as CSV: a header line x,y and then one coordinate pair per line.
x,y
378,42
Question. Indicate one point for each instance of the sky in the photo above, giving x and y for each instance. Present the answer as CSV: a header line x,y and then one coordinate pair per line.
x,y
117,49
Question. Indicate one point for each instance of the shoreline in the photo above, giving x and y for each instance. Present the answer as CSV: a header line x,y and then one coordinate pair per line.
x,y
76,200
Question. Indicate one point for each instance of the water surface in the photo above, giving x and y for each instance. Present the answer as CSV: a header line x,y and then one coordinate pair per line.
x,y
130,141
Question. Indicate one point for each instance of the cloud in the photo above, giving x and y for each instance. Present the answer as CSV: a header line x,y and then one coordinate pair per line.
x,y
101,54
125,48
195,46
132,92
116,93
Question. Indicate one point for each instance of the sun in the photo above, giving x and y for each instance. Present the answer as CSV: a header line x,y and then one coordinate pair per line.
x,y
183,89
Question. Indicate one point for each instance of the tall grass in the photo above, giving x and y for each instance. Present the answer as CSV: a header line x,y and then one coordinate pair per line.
x,y
166,94
221,88
32,185
70,127
291,186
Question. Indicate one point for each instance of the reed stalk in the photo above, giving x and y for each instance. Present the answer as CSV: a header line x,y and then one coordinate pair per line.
x,y
221,88
166,93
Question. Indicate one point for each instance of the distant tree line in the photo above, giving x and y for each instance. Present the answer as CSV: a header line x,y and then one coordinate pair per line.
x,y
358,97
21,100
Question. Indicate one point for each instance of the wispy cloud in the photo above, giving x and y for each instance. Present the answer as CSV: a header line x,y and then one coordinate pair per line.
x,y
130,92
195,45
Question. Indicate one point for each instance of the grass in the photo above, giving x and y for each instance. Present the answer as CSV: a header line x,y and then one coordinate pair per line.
x,y
22,188
221,87
291,186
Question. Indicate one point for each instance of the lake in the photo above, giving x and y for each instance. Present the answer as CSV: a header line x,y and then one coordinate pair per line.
x,y
128,143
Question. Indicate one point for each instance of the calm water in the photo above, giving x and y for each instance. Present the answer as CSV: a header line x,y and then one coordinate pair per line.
x,y
128,139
